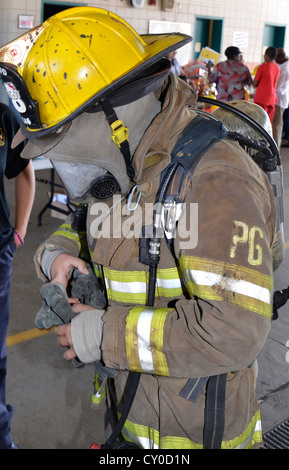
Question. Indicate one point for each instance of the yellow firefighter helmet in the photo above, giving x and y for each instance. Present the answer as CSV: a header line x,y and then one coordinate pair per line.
x,y
57,70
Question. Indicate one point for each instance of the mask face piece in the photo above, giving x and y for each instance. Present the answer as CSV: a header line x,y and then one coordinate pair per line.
x,y
79,180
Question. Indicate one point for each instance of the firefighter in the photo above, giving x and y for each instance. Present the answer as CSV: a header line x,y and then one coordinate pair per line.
x,y
99,101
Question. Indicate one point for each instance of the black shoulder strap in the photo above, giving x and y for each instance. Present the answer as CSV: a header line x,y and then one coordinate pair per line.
x,y
194,142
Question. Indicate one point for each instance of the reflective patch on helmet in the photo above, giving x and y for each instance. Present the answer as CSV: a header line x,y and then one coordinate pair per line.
x,y
14,96
16,51
20,96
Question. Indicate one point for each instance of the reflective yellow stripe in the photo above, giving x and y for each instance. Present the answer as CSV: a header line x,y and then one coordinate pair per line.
x,y
168,283
149,438
66,231
144,340
144,436
252,435
126,286
238,285
131,286
99,391
97,270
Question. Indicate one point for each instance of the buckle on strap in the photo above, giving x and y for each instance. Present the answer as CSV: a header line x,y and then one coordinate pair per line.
x,y
119,132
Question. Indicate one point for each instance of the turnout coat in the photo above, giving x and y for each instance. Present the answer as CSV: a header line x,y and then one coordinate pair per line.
x,y
213,299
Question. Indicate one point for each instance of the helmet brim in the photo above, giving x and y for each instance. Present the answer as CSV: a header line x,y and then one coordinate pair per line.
x,y
39,145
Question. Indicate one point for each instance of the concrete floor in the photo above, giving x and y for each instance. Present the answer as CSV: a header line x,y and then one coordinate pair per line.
x,y
52,399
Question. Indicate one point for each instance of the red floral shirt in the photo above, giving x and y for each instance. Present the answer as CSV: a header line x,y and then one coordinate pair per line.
x,y
230,78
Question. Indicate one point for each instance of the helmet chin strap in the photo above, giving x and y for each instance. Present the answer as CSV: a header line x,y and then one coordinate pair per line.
x,y
119,135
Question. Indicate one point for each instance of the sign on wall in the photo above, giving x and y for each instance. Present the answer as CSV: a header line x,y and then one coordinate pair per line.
x,y
25,21
241,39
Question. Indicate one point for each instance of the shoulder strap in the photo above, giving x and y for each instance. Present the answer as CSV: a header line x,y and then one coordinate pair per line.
x,y
194,142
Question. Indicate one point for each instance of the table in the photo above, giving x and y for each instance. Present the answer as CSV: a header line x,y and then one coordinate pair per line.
x,y
42,163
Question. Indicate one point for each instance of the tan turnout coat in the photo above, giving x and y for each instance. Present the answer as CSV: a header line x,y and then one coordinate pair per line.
x,y
221,324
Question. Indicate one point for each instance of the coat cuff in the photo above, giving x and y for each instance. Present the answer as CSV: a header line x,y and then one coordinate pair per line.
x,y
86,335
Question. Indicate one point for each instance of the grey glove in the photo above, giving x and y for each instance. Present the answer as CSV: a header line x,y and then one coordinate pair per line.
x,y
56,309
86,288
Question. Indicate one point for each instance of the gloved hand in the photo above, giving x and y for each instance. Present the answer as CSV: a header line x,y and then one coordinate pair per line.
x,y
279,299
82,336
56,308
86,288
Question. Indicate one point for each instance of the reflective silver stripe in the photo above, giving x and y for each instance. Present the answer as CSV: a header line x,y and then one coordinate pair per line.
x,y
238,286
126,287
143,442
144,347
169,283
136,287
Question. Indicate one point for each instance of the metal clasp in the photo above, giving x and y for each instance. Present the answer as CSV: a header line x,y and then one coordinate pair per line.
x,y
130,199
172,211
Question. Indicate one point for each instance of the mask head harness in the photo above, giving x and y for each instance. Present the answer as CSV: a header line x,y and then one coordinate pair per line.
x,y
105,186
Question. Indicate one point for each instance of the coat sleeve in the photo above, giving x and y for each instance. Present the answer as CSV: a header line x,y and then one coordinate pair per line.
x,y
64,239
224,322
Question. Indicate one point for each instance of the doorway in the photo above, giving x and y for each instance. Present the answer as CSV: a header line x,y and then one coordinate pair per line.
x,y
273,35
207,33
51,8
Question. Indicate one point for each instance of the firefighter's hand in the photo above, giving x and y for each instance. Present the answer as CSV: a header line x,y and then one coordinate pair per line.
x,y
62,267
64,339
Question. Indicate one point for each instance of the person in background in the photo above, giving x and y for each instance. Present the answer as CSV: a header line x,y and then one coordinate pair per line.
x,y
282,93
230,76
265,82
285,132
176,67
11,166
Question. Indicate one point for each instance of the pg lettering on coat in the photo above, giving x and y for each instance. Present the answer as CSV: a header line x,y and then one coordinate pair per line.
x,y
250,236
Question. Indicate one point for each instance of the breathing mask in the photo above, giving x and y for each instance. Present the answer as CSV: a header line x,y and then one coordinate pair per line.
x,y
86,158
84,180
